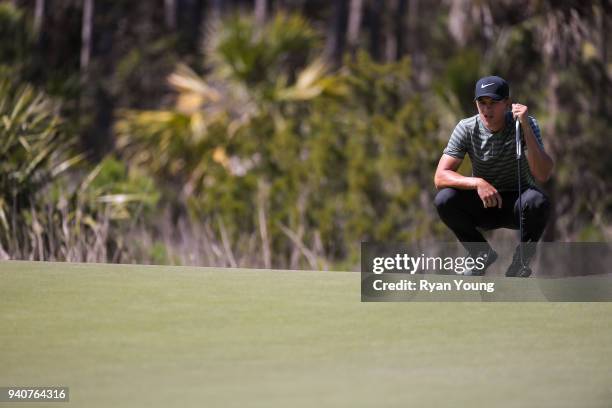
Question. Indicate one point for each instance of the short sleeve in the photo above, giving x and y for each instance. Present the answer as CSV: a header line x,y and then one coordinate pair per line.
x,y
457,144
533,123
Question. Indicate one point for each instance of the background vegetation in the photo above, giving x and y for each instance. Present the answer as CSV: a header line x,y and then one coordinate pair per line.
x,y
277,133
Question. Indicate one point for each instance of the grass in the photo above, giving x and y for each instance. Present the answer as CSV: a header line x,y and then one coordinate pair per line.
x,y
140,336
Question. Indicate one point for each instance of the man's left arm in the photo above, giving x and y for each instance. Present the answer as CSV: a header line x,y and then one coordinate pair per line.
x,y
540,163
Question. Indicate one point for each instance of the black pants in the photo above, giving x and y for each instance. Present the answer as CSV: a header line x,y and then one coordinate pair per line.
x,y
463,212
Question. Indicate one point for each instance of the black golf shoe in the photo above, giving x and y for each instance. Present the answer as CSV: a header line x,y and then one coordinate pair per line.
x,y
489,257
516,269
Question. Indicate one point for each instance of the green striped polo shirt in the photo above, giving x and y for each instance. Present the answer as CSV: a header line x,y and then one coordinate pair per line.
x,y
493,155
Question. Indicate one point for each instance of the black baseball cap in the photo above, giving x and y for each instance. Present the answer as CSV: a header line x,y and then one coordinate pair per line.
x,y
492,86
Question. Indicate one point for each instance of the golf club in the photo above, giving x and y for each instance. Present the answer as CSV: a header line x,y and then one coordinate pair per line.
x,y
525,271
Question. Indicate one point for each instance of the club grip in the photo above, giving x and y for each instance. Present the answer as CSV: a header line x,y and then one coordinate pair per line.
x,y
518,139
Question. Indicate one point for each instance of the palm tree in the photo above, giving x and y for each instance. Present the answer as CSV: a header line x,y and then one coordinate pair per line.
x,y
218,142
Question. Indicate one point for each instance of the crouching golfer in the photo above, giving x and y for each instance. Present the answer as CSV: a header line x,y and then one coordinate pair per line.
x,y
489,199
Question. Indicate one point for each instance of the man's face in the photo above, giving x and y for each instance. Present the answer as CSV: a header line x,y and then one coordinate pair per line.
x,y
492,112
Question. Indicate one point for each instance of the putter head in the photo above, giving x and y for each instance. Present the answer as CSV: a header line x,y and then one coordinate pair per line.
x,y
524,272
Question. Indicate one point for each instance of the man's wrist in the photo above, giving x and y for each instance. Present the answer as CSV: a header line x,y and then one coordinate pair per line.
x,y
474,182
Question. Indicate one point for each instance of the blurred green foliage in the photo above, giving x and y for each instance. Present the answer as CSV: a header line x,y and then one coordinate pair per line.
x,y
17,41
42,214
34,148
257,150
331,157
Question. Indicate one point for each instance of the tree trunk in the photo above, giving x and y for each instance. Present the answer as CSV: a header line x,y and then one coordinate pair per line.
x,y
400,29
390,38
336,36
374,25
261,11
39,15
96,104
190,14
412,41
458,21
170,14
354,23
86,32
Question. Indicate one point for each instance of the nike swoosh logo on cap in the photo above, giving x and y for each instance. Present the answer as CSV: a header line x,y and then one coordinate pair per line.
x,y
485,85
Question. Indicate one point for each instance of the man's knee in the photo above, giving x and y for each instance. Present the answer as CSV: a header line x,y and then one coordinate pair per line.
x,y
445,199
536,204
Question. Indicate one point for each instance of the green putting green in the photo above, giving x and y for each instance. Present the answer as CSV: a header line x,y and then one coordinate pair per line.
x,y
152,336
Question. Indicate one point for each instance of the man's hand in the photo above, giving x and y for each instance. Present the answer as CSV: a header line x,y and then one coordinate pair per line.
x,y
488,194
519,111
540,163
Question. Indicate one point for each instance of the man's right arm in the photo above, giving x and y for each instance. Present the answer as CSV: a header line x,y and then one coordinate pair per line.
x,y
447,176
452,157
